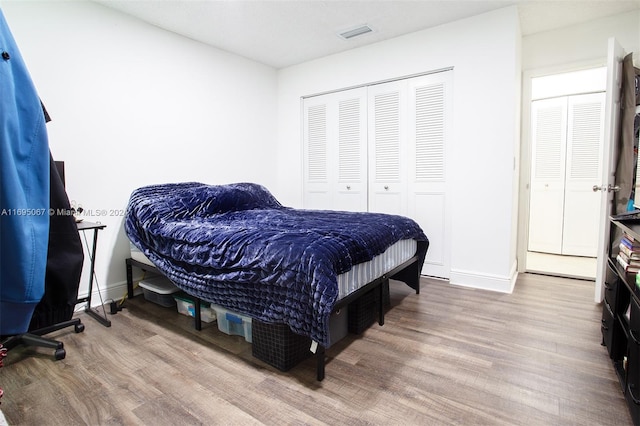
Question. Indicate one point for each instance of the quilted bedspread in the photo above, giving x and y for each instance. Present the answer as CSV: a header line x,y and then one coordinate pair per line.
x,y
236,246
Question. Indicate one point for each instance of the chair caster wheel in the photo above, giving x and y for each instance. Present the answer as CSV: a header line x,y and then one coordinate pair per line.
x,y
60,354
79,328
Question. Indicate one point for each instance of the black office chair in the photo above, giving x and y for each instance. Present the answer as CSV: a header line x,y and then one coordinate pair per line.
x,y
35,338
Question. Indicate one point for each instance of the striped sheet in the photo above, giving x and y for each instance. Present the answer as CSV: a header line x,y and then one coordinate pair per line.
x,y
363,273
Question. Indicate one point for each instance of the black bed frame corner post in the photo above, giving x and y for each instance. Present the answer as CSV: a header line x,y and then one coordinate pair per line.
x,y
381,300
418,271
129,279
197,315
320,362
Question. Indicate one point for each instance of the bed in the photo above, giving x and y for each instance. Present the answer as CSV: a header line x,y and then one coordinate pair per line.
x,y
236,246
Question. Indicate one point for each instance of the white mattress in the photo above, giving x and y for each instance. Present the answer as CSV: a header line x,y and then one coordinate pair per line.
x,y
360,275
136,254
363,273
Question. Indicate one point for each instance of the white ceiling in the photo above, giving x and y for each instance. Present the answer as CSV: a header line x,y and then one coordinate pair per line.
x,y
280,33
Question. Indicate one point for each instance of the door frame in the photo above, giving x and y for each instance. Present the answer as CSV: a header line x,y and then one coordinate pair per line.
x,y
526,145
613,117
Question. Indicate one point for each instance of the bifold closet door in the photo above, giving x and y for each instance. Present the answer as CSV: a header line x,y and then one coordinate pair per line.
x,y
567,137
585,138
334,146
409,125
429,130
549,145
382,148
387,147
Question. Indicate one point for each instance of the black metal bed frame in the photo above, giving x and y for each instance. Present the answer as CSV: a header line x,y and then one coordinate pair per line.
x,y
407,272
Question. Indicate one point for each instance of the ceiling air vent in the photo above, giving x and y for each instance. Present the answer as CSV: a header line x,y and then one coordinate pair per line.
x,y
363,29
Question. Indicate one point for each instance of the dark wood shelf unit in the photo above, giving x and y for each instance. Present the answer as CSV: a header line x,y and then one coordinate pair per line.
x,y
621,318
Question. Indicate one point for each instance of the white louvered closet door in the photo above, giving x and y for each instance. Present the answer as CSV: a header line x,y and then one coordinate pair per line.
x,y
317,186
383,148
549,141
567,138
334,146
430,106
350,187
387,105
585,136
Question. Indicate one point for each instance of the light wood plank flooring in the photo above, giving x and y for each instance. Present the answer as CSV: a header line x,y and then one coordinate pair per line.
x,y
449,355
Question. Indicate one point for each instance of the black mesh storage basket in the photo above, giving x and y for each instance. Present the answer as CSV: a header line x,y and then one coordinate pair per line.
x,y
278,346
364,311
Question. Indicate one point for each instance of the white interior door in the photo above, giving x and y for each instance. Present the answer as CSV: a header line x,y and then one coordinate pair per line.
x,y
549,142
350,171
317,184
567,137
585,135
382,148
615,56
387,148
430,112
335,151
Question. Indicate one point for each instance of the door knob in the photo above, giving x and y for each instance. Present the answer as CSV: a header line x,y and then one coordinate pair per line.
x,y
610,188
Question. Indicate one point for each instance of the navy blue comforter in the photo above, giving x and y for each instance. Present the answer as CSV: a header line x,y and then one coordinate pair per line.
x,y
237,246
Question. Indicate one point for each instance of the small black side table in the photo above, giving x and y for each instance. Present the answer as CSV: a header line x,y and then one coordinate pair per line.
x,y
87,226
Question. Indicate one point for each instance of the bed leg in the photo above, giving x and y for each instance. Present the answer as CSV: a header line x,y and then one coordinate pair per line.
x,y
129,279
320,363
381,303
197,314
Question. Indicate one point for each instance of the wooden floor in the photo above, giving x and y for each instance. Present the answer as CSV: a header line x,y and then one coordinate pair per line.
x,y
450,355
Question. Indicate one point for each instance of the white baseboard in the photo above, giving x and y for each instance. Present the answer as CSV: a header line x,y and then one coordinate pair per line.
x,y
115,291
502,284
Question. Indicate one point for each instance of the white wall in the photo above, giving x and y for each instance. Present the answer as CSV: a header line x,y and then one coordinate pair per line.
x,y
485,53
133,105
581,44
